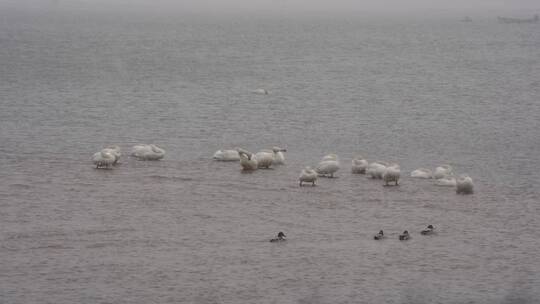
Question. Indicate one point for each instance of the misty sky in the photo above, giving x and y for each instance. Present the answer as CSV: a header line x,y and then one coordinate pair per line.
x,y
522,7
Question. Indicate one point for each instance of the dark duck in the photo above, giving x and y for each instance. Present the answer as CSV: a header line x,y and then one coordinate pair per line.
x,y
280,237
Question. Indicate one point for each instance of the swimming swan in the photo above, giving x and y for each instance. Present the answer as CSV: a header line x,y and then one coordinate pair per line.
x,y
147,152
442,171
308,175
226,155
464,185
391,174
359,165
376,169
328,165
247,160
422,173
379,236
103,159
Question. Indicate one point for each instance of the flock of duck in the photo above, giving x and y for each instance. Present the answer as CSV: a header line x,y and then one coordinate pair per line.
x,y
379,236
388,172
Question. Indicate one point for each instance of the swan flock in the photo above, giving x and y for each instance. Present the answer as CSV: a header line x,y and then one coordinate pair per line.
x,y
328,166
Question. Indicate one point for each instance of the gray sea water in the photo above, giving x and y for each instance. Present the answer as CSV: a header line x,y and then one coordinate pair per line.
x,y
417,91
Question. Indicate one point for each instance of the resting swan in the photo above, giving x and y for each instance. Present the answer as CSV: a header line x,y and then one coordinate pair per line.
x,y
147,152
376,169
279,157
261,91
266,158
328,165
422,173
226,155
442,171
464,185
308,175
247,160
114,150
359,165
446,181
391,174
103,159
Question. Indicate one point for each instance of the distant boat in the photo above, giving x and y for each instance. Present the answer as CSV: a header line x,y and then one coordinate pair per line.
x,y
518,20
466,19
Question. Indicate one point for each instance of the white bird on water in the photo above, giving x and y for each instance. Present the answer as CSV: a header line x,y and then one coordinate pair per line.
x,y
422,173
446,181
391,174
261,91
442,171
147,152
114,150
104,159
279,157
308,175
247,160
226,155
266,158
359,165
376,169
328,165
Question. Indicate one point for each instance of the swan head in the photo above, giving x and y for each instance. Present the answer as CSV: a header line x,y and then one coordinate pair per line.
x,y
405,232
430,227
278,149
281,235
244,153
381,232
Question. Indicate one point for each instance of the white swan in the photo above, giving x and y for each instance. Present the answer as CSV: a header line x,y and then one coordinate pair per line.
x,y
391,174
279,157
247,160
376,169
226,155
147,152
261,91
464,185
308,175
359,165
442,171
266,158
422,173
328,165
103,159
446,181
114,150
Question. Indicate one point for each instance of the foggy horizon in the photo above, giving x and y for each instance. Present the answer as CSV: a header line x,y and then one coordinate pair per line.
x,y
478,7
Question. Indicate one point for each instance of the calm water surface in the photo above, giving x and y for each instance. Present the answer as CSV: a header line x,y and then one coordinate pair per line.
x,y
189,230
